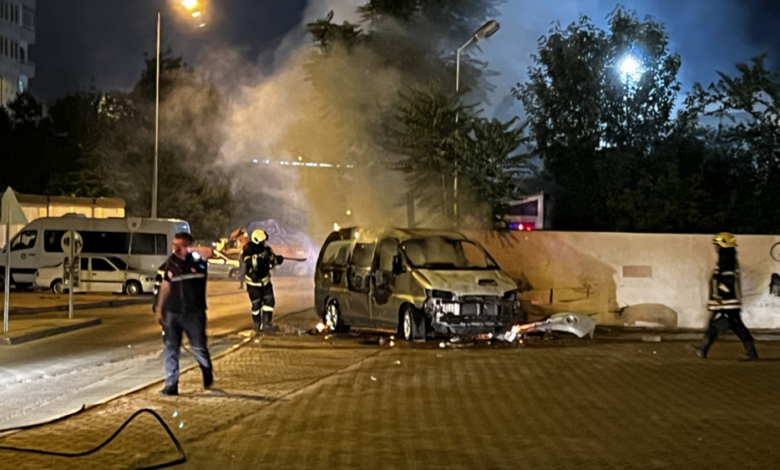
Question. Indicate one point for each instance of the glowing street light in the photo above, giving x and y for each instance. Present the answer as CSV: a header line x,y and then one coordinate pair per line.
x,y
630,69
190,4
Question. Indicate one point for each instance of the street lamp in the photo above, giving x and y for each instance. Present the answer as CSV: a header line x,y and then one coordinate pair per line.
x,y
488,29
630,69
194,8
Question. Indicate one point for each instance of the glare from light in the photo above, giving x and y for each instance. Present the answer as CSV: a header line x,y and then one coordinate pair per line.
x,y
349,212
336,227
190,4
630,68
202,25
300,158
196,14
254,161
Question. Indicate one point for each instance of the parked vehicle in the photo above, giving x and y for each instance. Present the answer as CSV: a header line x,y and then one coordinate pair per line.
x,y
143,244
223,266
98,274
413,281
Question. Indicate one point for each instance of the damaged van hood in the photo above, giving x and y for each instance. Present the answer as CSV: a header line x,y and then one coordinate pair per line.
x,y
488,282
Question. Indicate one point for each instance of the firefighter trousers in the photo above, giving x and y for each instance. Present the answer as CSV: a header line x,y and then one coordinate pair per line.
x,y
728,319
263,303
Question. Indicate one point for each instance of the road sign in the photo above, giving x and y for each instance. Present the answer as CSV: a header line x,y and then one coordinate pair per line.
x,y
12,215
72,243
72,238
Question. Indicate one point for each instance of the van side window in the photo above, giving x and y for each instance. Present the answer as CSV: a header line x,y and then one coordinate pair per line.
x,y
363,255
163,248
336,254
85,264
25,240
143,244
52,241
387,250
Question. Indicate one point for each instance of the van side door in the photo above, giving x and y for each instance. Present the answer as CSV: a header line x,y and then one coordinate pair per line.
x,y
385,309
359,284
23,257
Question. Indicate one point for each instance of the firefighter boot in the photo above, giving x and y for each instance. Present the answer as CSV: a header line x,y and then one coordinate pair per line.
x,y
208,376
750,352
258,320
268,326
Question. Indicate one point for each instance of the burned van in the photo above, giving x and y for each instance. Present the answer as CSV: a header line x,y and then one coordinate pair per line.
x,y
413,281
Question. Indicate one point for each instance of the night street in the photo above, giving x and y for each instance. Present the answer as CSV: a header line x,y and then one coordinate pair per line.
x,y
307,402
469,234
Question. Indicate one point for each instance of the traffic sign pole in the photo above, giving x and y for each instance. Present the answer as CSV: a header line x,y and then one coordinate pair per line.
x,y
70,281
7,277
72,244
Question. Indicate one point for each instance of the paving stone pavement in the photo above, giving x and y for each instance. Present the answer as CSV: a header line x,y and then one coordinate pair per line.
x,y
303,402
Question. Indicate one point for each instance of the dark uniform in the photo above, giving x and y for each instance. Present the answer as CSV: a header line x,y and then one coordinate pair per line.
x,y
184,311
725,304
259,259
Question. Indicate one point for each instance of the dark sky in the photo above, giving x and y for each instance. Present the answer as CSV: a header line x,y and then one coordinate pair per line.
x,y
104,40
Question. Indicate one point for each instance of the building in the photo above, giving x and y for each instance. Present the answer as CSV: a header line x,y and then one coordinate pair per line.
x,y
17,34
36,207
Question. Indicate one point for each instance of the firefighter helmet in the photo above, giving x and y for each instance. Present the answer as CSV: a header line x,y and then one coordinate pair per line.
x,y
725,240
259,236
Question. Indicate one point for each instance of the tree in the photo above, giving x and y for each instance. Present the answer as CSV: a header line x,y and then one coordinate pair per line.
x,y
436,135
594,124
746,108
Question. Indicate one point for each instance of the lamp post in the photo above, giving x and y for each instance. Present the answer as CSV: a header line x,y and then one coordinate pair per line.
x,y
488,29
193,7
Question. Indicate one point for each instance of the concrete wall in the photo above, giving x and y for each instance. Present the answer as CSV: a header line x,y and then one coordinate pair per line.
x,y
633,279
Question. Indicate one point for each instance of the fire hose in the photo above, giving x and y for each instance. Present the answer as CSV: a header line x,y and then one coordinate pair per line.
x,y
180,460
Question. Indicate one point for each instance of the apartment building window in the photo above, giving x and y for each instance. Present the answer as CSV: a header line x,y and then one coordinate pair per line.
x,y
28,18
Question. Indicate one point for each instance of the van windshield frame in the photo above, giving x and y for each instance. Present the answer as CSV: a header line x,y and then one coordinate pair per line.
x,y
447,254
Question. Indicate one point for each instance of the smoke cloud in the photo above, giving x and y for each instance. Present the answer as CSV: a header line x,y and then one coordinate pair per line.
x,y
313,145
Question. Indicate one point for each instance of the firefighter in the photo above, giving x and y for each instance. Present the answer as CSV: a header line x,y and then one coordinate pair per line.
x,y
180,308
725,299
259,260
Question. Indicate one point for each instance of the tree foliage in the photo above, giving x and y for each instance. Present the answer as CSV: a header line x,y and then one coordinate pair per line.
x,y
595,126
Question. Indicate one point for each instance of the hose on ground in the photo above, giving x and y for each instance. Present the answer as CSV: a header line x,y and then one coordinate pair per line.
x,y
180,460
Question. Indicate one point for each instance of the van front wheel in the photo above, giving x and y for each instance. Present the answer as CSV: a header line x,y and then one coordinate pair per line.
x,y
412,324
133,288
57,287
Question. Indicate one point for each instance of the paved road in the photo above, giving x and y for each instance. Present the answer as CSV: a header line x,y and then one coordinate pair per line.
x,y
348,403
54,376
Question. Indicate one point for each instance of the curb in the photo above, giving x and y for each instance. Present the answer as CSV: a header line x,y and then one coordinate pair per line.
x,y
64,308
25,338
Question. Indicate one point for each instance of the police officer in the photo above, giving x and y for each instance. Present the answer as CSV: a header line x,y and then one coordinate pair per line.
x,y
181,308
725,300
259,259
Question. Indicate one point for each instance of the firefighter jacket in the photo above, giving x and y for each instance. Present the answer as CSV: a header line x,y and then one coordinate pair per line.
x,y
259,260
725,289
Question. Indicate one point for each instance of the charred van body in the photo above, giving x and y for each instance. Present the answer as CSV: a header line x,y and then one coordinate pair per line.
x,y
413,281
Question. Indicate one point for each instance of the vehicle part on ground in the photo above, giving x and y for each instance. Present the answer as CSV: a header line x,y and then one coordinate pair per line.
x,y
133,288
57,287
233,274
574,323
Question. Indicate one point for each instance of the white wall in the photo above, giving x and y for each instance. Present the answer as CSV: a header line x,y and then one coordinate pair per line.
x,y
602,273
